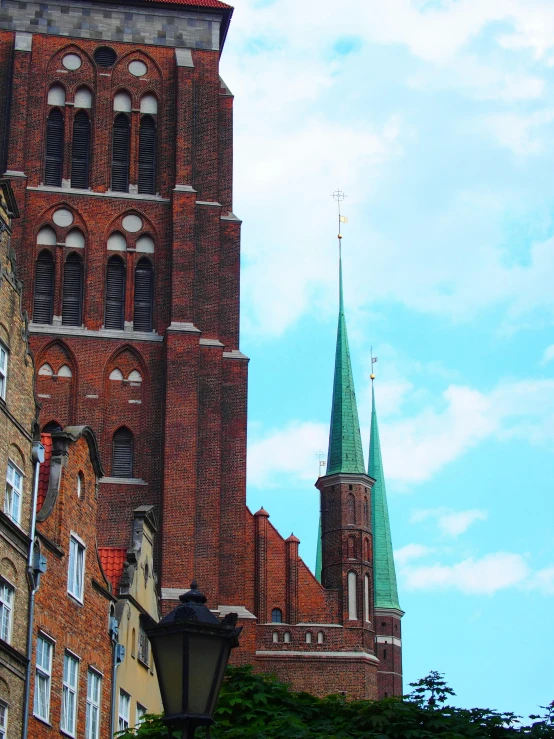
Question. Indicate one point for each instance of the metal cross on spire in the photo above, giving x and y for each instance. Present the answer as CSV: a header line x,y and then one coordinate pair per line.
x,y
339,196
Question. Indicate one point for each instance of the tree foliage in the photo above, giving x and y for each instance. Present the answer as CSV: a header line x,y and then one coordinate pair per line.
x,y
253,705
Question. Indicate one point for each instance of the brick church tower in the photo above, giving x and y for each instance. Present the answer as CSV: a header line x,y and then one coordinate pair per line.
x,y
116,133
117,136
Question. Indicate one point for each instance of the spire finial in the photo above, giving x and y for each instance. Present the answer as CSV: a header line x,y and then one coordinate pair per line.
x,y
339,196
373,360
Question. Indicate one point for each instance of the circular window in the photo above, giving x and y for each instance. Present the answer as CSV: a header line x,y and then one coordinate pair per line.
x,y
138,68
63,217
104,56
132,223
71,61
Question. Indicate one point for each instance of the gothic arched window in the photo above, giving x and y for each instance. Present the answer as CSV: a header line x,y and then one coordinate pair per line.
x,y
53,168
72,313
80,150
144,283
43,306
120,153
352,597
351,547
276,616
122,453
115,294
147,156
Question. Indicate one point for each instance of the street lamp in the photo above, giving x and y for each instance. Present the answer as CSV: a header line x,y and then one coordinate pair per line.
x,y
191,648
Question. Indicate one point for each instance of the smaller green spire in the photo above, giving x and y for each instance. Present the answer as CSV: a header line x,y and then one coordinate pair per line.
x,y
345,443
386,592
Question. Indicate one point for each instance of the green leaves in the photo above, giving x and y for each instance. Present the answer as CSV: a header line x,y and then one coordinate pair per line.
x,y
259,706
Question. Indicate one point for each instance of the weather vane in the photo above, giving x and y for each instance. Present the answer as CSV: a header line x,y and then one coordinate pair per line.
x,y
321,457
339,196
373,360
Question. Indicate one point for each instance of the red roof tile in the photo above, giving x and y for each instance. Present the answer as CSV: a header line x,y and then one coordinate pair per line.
x,y
44,473
112,560
198,3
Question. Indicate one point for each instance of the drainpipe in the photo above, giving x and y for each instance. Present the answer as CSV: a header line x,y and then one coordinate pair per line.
x,y
118,653
33,574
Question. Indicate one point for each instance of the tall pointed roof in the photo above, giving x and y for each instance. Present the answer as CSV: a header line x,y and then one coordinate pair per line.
x,y
345,444
386,592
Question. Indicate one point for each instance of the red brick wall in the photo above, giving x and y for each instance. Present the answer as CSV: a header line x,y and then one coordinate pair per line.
x,y
81,628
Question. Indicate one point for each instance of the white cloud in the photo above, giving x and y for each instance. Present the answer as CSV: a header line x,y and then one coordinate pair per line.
x,y
548,355
290,451
409,552
519,133
417,447
543,580
450,523
488,574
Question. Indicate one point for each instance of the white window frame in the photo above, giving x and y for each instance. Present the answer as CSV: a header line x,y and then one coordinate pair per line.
x,y
7,595
13,494
43,672
93,705
70,683
3,719
4,355
76,587
140,713
123,710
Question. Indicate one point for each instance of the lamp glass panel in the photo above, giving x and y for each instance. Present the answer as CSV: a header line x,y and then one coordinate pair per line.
x,y
168,650
204,653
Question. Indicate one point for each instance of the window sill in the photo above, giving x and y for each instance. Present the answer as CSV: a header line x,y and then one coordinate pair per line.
x,y
42,720
76,600
66,733
122,481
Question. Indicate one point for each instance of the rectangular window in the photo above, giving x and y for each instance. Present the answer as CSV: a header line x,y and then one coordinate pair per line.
x,y
124,710
43,678
3,719
6,608
3,370
75,575
14,486
69,693
94,684
143,648
141,713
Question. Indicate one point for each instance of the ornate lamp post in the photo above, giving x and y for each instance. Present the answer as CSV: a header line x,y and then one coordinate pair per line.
x,y
191,648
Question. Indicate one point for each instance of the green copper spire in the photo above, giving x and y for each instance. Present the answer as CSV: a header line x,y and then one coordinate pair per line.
x,y
345,444
386,593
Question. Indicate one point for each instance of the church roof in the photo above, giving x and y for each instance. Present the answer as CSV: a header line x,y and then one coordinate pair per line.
x,y
345,444
197,3
386,592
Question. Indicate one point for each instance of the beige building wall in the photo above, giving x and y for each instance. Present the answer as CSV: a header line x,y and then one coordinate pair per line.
x,y
136,675
18,413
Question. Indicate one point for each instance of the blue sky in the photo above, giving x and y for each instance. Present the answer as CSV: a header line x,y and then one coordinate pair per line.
x,y
437,120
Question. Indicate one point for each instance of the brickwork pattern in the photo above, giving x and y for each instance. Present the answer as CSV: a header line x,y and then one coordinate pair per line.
x,y
18,411
77,627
